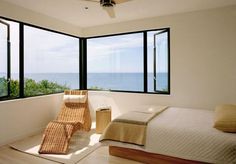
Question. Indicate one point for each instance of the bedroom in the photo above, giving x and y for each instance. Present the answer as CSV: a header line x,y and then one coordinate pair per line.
x,y
202,63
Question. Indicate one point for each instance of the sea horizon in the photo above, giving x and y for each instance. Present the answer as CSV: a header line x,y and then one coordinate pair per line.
x,y
130,81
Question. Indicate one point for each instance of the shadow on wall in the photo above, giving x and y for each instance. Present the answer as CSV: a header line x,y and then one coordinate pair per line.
x,y
102,99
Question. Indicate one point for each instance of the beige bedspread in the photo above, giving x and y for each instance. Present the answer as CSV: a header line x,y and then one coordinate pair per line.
x,y
189,134
131,127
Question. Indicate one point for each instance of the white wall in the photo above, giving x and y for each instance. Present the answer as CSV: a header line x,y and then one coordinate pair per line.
x,y
17,13
23,117
203,70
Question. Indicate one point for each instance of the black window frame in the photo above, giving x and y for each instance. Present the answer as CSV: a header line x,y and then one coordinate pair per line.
x,y
82,41
22,73
8,59
145,60
154,61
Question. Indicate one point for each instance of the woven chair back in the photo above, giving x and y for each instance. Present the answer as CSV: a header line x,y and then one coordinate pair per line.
x,y
77,113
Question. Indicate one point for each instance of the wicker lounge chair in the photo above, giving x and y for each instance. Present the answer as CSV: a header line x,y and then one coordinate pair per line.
x,y
74,115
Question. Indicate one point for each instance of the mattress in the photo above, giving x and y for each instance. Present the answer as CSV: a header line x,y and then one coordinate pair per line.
x,y
188,134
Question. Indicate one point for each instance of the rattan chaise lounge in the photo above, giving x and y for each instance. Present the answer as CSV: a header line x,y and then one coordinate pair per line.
x,y
74,115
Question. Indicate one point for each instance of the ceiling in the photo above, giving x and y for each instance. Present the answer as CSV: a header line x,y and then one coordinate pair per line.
x,y
74,12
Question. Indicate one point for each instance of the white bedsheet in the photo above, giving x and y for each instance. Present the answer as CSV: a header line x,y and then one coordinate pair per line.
x,y
188,134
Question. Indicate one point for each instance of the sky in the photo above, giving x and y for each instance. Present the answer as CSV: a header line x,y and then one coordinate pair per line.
x,y
116,54
48,52
3,48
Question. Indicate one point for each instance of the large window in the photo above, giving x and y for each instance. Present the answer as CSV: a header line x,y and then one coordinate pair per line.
x,y
115,62
118,62
35,61
51,62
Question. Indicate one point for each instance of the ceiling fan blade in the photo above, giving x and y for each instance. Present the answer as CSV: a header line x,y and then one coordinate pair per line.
x,y
110,11
97,1
121,1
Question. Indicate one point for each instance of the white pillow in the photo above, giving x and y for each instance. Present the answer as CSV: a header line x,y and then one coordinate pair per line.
x,y
74,98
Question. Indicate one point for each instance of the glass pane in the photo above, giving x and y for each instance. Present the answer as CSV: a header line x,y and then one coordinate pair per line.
x,y
51,62
14,56
115,62
158,51
161,51
3,60
14,39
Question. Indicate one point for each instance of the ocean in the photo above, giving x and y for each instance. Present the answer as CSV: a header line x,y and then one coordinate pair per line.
x,y
105,81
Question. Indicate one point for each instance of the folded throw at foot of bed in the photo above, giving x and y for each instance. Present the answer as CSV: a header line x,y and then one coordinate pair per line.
x,y
131,127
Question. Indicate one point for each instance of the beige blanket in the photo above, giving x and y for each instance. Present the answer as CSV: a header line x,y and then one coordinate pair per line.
x,y
131,126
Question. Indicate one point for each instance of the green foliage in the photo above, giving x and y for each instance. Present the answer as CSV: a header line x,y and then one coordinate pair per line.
x,y
3,86
165,89
32,88
96,88
14,85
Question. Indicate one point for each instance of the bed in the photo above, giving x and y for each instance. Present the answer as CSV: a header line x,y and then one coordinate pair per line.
x,y
180,135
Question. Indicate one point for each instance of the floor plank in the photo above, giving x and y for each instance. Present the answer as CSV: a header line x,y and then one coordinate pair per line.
x,y
101,155
11,156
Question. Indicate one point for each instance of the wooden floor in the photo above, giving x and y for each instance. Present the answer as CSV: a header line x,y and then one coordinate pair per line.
x,y
101,155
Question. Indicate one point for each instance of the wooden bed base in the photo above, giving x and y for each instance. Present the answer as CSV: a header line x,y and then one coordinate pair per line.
x,y
145,157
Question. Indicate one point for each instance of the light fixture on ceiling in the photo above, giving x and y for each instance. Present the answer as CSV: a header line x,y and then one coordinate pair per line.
x,y
108,5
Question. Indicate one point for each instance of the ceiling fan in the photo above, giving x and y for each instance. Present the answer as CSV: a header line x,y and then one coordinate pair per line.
x,y
108,5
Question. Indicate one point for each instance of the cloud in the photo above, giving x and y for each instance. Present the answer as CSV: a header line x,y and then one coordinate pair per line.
x,y
106,46
47,52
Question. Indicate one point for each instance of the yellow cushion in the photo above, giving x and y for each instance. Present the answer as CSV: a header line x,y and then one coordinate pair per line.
x,y
225,118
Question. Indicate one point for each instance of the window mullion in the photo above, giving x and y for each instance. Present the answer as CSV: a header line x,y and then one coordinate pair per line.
x,y
145,62
21,61
83,63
